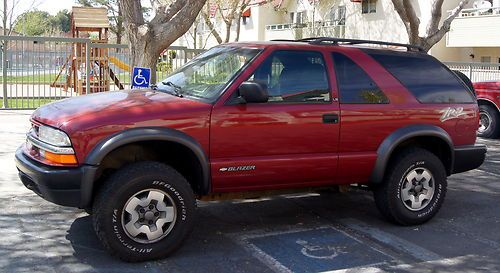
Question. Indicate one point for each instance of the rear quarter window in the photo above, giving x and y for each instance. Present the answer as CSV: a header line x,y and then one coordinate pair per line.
x,y
425,77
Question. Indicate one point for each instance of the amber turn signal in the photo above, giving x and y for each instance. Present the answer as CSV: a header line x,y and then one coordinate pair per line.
x,y
66,159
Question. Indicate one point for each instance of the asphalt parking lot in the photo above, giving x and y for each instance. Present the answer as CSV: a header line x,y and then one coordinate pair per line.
x,y
326,232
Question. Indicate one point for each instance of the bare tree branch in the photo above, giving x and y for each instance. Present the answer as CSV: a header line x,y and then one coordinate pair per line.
x,y
433,38
211,26
433,33
436,14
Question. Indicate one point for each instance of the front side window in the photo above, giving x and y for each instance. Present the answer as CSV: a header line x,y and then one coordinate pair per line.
x,y
208,74
355,86
294,76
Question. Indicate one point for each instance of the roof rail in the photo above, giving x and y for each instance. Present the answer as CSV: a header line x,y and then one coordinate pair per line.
x,y
338,41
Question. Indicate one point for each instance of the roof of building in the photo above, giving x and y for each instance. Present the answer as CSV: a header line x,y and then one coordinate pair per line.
x,y
88,17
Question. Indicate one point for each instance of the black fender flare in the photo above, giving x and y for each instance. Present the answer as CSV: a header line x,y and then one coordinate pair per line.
x,y
104,147
397,137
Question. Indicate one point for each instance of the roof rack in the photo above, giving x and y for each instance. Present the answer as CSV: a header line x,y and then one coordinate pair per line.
x,y
338,41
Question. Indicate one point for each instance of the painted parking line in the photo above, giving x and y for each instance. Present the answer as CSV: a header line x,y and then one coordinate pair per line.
x,y
311,250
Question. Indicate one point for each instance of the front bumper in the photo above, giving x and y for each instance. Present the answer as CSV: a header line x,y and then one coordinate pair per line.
x,y
468,157
60,185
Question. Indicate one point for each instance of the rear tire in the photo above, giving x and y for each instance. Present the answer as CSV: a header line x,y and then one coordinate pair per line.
x,y
414,188
488,122
144,211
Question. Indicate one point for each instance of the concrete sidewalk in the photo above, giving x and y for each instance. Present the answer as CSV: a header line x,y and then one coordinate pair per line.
x,y
330,232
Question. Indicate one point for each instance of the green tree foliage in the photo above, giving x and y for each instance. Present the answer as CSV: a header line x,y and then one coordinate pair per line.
x,y
62,21
37,23
114,14
33,23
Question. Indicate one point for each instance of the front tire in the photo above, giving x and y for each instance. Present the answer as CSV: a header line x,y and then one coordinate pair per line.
x,y
414,188
144,211
488,122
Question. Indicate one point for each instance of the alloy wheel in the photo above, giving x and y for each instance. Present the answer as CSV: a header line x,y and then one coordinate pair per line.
x,y
417,189
149,216
484,122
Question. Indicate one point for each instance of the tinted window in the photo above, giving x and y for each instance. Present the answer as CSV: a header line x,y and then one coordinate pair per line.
x,y
425,77
294,76
355,86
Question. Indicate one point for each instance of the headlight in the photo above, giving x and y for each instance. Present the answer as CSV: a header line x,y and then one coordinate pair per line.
x,y
53,136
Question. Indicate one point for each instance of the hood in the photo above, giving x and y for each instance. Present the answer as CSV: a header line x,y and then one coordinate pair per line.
x,y
125,107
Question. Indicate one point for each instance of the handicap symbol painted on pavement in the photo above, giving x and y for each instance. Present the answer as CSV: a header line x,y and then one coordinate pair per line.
x,y
319,251
141,77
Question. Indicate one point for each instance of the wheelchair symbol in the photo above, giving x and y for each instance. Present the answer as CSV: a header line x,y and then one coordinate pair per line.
x,y
139,79
319,251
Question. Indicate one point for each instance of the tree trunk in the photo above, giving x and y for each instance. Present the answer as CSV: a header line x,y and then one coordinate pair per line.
x,y
144,54
228,32
194,36
238,27
148,40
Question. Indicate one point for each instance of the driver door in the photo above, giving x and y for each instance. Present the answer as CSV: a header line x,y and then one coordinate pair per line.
x,y
289,141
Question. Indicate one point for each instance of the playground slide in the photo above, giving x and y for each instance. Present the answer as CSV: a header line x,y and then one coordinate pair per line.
x,y
119,63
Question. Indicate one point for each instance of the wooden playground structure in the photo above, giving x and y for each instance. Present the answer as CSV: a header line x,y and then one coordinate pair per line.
x,y
87,22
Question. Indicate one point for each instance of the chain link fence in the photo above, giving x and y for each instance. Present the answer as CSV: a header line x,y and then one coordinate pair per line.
x,y
39,70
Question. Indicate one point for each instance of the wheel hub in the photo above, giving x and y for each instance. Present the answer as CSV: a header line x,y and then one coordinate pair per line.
x,y
484,121
148,216
417,189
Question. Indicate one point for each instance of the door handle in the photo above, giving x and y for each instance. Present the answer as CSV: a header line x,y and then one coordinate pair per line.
x,y
331,118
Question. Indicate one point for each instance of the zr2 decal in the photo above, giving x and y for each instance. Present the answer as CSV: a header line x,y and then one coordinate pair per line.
x,y
451,113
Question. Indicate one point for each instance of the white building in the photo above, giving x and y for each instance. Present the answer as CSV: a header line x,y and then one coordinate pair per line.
x,y
474,34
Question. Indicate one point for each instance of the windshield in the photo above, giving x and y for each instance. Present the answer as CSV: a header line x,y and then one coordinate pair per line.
x,y
208,74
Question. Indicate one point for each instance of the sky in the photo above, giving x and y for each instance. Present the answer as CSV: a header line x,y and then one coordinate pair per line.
x,y
50,6
53,6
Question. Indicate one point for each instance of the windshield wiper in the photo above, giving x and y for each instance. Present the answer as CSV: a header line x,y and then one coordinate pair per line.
x,y
177,89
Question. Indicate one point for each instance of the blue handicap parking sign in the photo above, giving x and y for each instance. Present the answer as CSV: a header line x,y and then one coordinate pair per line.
x,y
141,77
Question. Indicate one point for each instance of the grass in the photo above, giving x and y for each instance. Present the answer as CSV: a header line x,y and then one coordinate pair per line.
x,y
49,78
25,103
33,79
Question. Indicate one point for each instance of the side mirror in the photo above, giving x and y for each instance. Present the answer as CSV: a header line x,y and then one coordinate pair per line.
x,y
253,92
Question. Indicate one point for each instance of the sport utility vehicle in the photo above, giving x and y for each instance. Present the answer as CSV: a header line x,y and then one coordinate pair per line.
x,y
247,119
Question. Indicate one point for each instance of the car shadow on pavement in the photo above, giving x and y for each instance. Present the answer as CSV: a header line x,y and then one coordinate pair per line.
x,y
38,236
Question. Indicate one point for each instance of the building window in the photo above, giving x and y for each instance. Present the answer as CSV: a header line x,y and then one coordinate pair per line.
x,y
337,15
297,17
369,6
486,59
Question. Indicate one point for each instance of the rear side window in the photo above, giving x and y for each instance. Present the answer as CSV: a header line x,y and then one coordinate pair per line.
x,y
355,86
425,77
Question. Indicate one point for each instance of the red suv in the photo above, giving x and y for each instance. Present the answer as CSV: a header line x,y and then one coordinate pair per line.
x,y
248,119
488,98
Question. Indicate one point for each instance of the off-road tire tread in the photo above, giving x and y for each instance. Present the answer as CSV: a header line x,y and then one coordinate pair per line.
x,y
117,178
495,116
382,192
